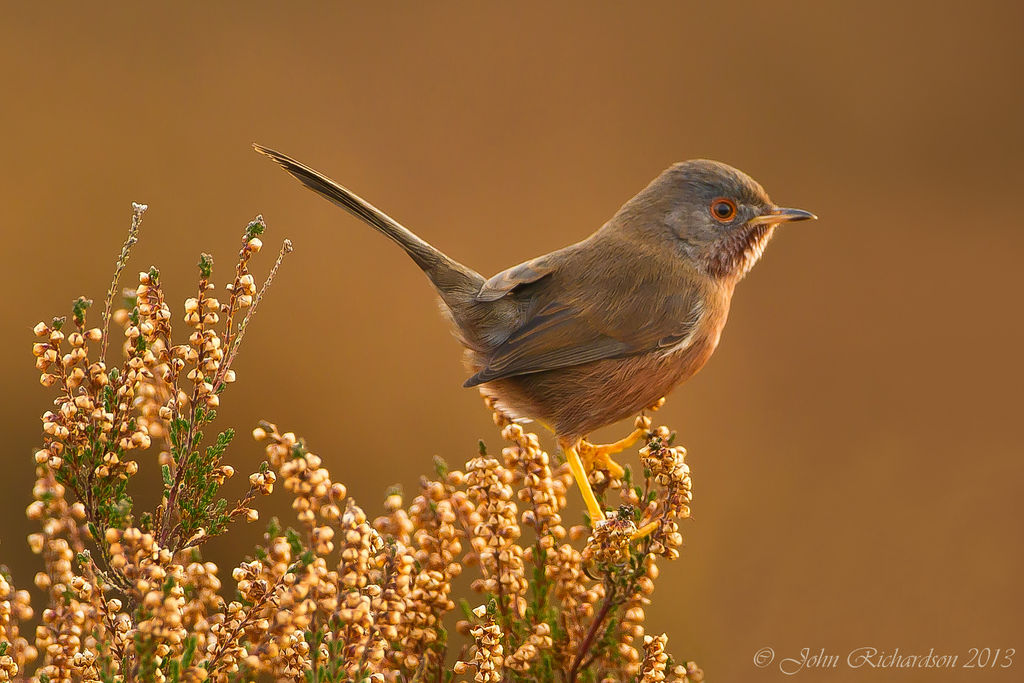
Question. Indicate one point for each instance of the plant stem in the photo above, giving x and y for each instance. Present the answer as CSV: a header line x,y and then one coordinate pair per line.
x,y
122,261
606,607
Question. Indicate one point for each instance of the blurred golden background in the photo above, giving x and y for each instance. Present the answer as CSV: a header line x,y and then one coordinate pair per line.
x,y
855,441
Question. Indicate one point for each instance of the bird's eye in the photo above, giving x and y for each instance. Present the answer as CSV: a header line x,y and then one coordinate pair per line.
x,y
723,209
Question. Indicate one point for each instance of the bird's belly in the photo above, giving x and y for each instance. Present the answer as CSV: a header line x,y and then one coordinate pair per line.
x,y
576,400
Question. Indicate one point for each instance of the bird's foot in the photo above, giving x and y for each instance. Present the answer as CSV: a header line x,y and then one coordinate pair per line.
x,y
599,455
583,457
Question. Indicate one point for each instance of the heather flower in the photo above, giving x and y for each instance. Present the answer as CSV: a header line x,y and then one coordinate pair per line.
x,y
340,595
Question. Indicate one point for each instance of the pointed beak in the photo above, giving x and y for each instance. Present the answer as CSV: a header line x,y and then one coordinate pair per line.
x,y
781,215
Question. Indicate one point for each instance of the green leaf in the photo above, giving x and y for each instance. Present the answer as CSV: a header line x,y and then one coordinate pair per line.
x,y
294,541
78,309
205,265
256,227
273,528
214,452
441,466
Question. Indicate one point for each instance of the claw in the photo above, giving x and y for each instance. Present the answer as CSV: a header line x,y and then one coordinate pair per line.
x,y
599,455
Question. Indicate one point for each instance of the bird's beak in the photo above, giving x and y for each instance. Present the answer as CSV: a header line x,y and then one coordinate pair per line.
x,y
780,215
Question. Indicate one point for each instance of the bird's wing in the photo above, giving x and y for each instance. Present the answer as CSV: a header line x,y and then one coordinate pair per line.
x,y
507,280
559,334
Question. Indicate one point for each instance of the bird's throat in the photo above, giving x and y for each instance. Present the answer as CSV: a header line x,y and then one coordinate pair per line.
x,y
734,255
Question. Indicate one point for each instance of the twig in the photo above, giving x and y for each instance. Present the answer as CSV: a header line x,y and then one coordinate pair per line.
x,y
181,463
270,597
286,248
606,607
244,254
122,261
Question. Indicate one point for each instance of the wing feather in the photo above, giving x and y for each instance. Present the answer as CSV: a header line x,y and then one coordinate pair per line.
x,y
525,273
560,335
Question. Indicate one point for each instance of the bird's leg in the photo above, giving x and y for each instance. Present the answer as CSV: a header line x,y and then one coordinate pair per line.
x,y
599,455
645,530
571,450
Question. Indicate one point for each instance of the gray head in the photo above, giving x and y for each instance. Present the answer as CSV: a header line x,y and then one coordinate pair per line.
x,y
721,217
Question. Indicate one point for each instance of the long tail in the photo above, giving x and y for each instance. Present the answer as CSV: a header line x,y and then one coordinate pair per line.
x,y
454,281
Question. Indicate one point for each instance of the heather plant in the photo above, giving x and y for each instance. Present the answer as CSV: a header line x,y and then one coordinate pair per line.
x,y
336,595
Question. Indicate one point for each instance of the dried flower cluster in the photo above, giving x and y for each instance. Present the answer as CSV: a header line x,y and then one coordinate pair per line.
x,y
339,596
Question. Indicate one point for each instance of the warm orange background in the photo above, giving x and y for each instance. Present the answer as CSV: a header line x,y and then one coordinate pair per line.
x,y
855,442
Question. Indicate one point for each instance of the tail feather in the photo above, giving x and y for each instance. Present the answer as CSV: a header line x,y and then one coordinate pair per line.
x,y
451,278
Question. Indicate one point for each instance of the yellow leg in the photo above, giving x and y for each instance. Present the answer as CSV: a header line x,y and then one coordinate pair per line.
x,y
580,474
645,530
600,454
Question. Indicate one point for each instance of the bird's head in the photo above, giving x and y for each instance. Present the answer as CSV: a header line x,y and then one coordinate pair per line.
x,y
721,217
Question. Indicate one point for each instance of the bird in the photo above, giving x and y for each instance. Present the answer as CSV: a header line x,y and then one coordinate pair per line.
x,y
597,331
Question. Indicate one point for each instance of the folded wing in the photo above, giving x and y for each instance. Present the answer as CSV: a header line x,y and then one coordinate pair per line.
x,y
561,332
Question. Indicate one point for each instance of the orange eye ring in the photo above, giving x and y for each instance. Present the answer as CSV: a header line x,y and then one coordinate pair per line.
x,y
724,210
